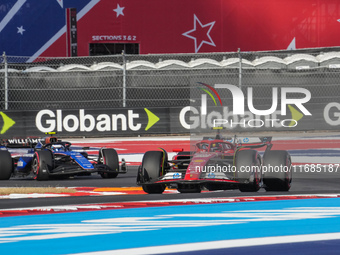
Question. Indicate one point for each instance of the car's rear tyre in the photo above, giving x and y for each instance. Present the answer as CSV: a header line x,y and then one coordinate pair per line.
x,y
248,170
277,174
110,158
6,165
153,188
42,164
151,169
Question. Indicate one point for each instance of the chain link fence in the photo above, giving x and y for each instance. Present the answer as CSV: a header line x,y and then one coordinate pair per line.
x,y
161,80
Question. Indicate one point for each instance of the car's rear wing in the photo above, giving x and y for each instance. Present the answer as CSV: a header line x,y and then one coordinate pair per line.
x,y
266,139
29,142
21,142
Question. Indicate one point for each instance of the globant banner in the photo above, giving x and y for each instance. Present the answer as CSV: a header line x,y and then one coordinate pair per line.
x,y
86,122
168,121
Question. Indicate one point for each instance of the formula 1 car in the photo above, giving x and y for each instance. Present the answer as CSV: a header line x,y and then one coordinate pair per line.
x,y
217,164
48,157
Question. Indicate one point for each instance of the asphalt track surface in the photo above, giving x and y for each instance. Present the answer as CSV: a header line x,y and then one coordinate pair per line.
x,y
311,183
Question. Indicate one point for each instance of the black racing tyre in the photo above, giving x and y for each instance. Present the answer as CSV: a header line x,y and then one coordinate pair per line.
x,y
42,165
248,170
153,188
151,170
277,172
6,165
110,158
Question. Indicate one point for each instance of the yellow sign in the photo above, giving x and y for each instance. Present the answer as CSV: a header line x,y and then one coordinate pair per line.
x,y
8,123
152,119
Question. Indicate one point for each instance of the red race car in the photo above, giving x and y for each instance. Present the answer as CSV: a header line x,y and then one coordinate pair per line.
x,y
217,164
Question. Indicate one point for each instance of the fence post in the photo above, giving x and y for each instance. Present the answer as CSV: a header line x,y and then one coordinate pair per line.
x,y
239,68
6,80
124,78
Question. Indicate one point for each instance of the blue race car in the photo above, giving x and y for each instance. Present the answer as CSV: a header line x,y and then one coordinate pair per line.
x,y
48,157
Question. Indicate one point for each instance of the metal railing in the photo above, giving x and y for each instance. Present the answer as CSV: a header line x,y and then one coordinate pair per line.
x,y
159,80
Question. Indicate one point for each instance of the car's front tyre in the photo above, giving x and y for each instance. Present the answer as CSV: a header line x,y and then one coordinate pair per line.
x,y
151,169
278,174
248,170
110,158
42,164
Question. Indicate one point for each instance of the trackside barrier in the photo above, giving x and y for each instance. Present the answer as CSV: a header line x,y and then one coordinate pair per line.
x,y
150,121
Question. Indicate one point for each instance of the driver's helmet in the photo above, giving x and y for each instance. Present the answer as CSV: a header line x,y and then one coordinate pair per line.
x,y
56,147
216,146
